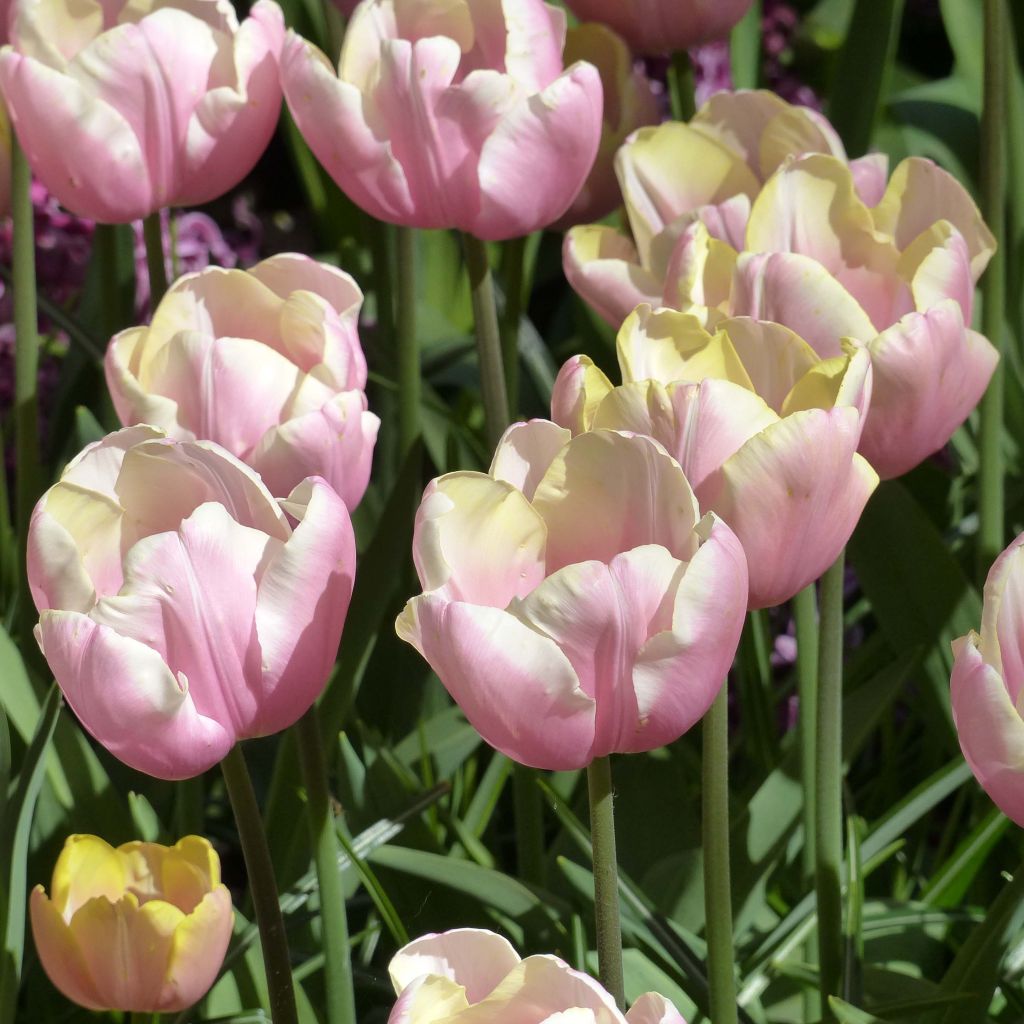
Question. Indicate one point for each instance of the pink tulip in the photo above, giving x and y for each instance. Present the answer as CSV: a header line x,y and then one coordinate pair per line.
x,y
180,609
710,170
264,362
454,115
573,605
629,103
473,976
661,26
897,279
764,429
988,677
123,108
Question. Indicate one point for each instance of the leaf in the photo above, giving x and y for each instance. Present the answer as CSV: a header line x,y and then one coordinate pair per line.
x,y
949,884
847,1014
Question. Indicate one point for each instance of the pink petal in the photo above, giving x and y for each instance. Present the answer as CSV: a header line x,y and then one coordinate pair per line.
x,y
1002,635
132,402
301,605
125,695
525,452
475,958
652,1008
870,176
579,389
516,687
930,371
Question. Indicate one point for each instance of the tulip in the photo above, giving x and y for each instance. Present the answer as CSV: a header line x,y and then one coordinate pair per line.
x,y
123,108
264,362
896,278
986,686
141,928
661,26
472,976
573,605
180,609
710,170
454,115
765,431
629,103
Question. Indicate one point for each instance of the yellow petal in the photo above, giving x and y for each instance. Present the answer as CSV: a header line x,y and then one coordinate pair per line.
x,y
86,868
200,942
818,388
59,953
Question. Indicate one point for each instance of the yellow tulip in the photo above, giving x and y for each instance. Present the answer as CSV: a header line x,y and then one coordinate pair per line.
x,y
142,927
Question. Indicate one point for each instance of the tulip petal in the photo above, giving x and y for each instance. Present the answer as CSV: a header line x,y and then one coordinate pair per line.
x,y
579,389
643,495
474,958
525,452
87,867
930,371
301,605
1002,639
652,1008
197,952
464,514
133,403
870,177
515,686
604,269
427,999
793,495
989,728
59,954
680,670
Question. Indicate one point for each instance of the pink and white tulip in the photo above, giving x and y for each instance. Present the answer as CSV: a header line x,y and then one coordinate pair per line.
x,y
265,362
454,115
573,604
988,683
123,108
470,975
896,279
661,26
709,169
764,429
181,610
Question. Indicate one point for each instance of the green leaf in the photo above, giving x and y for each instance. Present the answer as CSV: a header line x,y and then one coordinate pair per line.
x,y
847,1014
949,884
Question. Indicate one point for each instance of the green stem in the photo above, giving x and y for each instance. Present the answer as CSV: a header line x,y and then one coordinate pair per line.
x,y
26,358
189,806
717,890
153,235
606,879
262,887
488,339
409,382
173,231
340,1007
991,526
867,59
745,49
805,612
681,84
828,830
513,257
529,824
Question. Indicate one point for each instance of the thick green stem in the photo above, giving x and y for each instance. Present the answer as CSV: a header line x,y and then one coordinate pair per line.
x,y
717,886
262,886
409,374
681,85
828,830
513,265
488,339
529,824
340,1007
805,612
153,235
606,879
26,357
991,514
745,49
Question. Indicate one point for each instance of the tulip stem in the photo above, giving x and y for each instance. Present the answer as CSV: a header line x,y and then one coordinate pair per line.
x,y
529,824
340,1007
488,338
715,831
606,879
152,233
828,830
409,373
745,49
26,357
262,886
681,81
513,259
991,522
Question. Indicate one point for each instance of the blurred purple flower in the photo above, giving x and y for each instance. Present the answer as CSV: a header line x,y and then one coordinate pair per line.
x,y
779,24
711,69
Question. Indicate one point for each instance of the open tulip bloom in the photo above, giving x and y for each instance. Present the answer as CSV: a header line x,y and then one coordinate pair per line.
x,y
573,605
473,976
123,108
709,169
765,430
180,608
987,683
896,279
265,362
450,115
142,928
